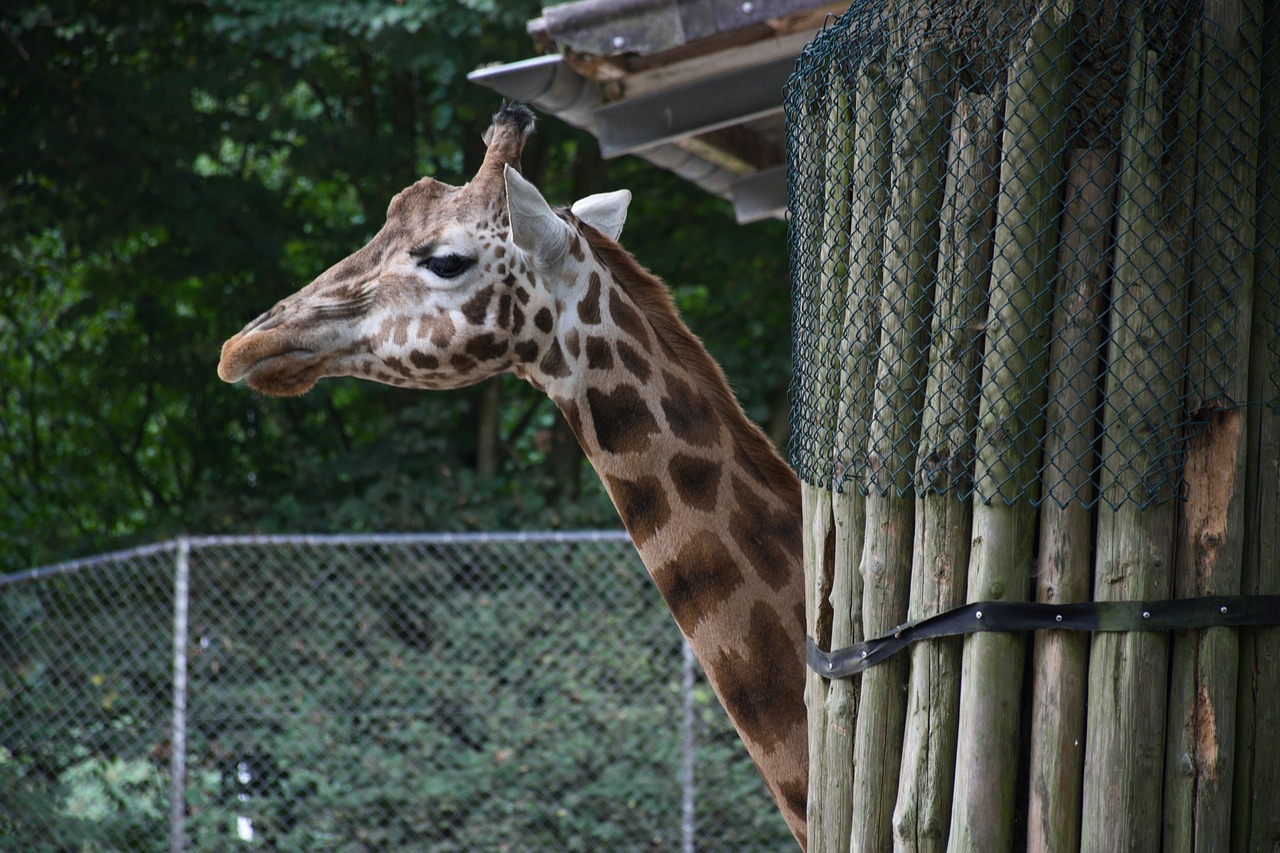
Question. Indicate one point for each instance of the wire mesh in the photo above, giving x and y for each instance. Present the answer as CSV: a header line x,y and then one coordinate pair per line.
x,y
437,693
1023,244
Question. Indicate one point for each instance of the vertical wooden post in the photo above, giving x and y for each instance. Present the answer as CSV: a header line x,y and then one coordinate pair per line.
x,y
833,262
920,121
1202,694
1009,427
1128,671
944,468
1255,818
1066,522
870,192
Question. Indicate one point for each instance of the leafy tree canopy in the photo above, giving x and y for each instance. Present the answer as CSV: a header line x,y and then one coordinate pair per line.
x,y
169,169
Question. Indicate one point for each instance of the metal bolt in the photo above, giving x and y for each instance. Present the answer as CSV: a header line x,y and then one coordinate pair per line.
x,y
978,614
1057,618
864,654
748,7
1222,609
619,41
1146,614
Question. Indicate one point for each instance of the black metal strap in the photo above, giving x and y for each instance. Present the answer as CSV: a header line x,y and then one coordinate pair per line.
x,y
1210,612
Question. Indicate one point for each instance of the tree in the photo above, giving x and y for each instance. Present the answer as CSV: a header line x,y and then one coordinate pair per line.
x,y
169,163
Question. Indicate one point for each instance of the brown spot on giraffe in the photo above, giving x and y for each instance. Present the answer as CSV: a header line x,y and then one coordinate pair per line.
x,y
569,409
794,795
628,319
766,533
599,354
642,504
572,344
527,351
504,311
486,347
462,363
702,575
397,365
400,330
589,305
423,361
697,480
442,330
476,308
622,420
543,320
690,416
553,363
762,688
633,361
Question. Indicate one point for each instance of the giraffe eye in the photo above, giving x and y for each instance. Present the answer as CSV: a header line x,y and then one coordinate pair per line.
x,y
447,266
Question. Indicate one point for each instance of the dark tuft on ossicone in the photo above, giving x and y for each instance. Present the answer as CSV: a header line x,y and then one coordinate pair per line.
x,y
518,114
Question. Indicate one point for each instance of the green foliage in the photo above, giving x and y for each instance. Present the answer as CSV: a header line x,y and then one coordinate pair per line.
x,y
171,168
390,697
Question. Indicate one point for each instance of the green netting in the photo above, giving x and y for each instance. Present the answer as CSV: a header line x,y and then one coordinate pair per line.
x,y
1024,243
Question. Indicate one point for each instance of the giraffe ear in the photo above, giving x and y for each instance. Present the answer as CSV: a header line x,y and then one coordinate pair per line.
x,y
605,212
534,225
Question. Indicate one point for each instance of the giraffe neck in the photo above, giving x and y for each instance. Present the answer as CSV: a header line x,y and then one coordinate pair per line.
x,y
712,509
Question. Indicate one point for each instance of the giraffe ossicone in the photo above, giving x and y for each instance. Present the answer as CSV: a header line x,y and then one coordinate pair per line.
x,y
462,283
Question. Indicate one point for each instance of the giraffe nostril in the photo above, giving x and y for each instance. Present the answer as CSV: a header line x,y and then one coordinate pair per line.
x,y
267,320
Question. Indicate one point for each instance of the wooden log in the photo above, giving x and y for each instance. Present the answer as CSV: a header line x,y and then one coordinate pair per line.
x,y
833,261
919,121
1256,795
1128,671
816,503
828,804
841,711
870,192
1009,427
1199,771
1065,560
944,471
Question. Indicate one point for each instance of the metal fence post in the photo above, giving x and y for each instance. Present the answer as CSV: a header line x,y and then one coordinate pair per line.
x,y
178,740
686,770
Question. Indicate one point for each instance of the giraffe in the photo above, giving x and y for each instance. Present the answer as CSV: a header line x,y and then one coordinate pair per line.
x,y
462,283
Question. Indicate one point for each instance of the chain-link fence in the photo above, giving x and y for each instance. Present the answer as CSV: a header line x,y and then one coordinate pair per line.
x,y
413,692
1034,254
1023,243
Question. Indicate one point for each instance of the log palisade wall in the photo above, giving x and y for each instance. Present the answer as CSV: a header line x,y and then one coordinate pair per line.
x,y
1034,251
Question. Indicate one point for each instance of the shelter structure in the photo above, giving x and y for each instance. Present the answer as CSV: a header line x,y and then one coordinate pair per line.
x,y
693,86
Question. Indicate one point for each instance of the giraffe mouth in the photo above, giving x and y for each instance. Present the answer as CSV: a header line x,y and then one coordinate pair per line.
x,y
279,374
285,374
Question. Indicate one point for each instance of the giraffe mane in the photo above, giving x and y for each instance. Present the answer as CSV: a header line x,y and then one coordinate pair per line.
x,y
653,298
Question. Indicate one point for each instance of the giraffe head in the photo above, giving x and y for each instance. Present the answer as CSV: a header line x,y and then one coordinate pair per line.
x,y
461,283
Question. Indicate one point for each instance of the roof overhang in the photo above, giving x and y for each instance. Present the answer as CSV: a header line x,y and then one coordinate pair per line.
x,y
693,86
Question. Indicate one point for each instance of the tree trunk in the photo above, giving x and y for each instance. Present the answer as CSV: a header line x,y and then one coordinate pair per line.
x,y
488,410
